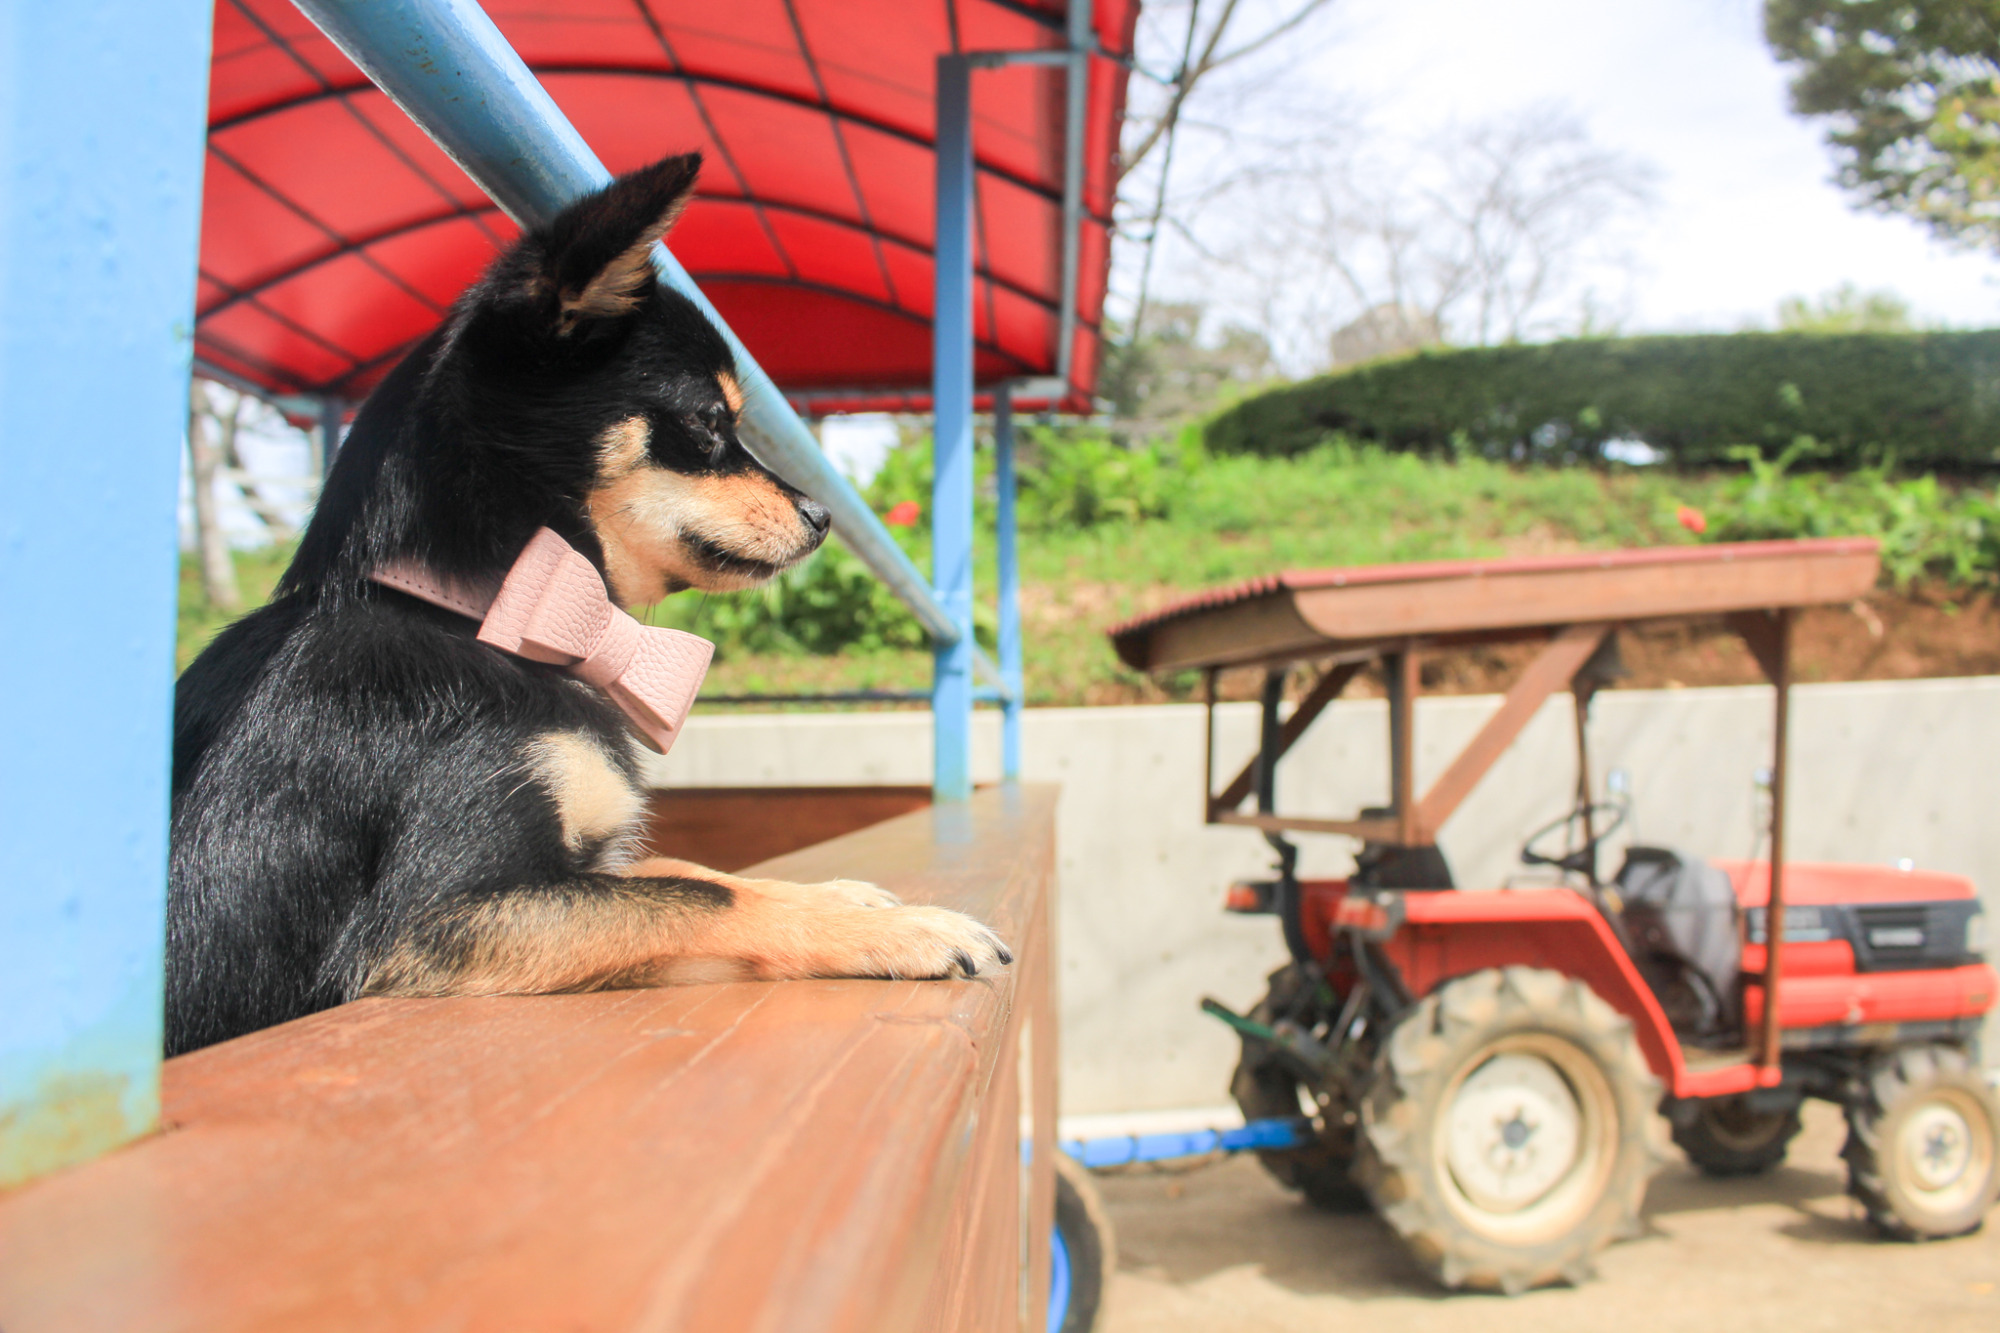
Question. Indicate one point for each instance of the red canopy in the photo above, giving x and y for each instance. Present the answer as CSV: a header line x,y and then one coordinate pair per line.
x,y
335,234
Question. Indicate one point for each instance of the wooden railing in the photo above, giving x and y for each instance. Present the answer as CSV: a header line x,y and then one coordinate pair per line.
x,y
834,1155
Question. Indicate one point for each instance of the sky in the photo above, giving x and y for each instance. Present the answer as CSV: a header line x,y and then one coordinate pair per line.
x,y
1744,214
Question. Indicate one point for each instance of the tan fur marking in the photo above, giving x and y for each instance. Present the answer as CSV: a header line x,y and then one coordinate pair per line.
x,y
535,945
595,801
647,519
843,928
732,392
621,447
555,942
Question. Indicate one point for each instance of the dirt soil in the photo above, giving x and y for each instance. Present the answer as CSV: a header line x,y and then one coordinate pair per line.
x,y
1884,636
1224,1250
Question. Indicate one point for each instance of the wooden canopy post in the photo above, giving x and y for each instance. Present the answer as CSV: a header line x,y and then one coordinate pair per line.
x,y
1780,667
1580,697
1209,804
1268,734
1400,676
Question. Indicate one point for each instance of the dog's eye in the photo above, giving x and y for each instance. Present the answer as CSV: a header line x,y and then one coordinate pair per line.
x,y
715,420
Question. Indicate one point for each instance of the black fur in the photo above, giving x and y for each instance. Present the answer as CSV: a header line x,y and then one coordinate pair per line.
x,y
348,761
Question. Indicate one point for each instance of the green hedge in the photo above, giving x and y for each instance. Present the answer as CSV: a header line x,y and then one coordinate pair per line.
x,y
1902,399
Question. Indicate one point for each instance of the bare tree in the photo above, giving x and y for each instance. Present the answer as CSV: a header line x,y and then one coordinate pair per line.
x,y
208,424
276,522
1502,231
1206,39
231,415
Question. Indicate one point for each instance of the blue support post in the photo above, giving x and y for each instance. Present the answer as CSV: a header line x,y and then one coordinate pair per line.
x,y
332,411
951,407
102,116
1008,551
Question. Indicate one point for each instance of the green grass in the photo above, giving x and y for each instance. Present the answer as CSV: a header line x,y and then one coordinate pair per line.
x,y
1108,534
1213,520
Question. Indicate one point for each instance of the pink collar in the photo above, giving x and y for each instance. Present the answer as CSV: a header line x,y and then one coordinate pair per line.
x,y
552,607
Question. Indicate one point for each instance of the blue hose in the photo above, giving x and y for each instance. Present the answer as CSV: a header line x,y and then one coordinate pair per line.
x,y
1058,1279
1124,1149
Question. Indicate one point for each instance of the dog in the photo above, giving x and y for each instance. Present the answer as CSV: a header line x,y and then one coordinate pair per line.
x,y
371,799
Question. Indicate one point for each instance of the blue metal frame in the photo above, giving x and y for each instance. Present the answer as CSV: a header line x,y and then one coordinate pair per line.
x,y
102,168
1013,681
951,436
448,67
102,117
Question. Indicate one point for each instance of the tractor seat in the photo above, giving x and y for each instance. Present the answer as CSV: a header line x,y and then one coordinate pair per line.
x,y
1383,865
1681,923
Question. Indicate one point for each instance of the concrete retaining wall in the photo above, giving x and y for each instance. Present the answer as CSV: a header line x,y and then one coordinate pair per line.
x,y
1880,771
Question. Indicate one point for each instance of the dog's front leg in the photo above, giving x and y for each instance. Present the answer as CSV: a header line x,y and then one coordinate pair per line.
x,y
666,921
840,928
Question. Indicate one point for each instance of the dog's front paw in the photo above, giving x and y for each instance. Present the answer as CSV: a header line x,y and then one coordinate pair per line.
x,y
832,893
928,943
859,893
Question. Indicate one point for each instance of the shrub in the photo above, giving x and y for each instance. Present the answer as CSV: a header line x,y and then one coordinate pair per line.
x,y
1068,478
1868,399
830,603
1926,528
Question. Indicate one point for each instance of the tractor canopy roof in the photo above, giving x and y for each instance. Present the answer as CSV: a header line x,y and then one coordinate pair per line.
x,y
1363,611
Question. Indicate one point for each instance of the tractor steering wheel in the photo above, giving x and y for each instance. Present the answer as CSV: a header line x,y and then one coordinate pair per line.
x,y
1582,860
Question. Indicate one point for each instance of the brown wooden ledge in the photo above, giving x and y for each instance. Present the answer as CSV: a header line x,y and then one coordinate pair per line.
x,y
838,1155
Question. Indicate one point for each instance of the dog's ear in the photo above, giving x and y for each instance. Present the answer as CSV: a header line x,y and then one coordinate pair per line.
x,y
599,249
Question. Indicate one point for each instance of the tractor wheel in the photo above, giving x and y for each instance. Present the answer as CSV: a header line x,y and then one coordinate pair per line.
x,y
1921,1143
1266,1090
1724,1136
1082,1252
1509,1129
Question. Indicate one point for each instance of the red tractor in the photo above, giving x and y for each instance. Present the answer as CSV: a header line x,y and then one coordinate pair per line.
x,y
1486,1067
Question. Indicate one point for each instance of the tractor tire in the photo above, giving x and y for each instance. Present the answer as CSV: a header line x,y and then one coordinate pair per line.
x,y
1083,1251
1724,1137
1509,1130
1266,1090
1921,1144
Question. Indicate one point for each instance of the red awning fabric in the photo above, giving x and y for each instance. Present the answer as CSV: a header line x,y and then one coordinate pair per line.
x,y
335,234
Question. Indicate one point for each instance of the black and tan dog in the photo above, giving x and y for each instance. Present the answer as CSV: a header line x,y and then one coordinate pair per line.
x,y
370,801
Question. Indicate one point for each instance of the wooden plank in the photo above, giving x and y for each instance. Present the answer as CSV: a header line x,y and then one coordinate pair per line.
x,y
1614,593
1550,671
1498,600
728,828
1232,635
736,1157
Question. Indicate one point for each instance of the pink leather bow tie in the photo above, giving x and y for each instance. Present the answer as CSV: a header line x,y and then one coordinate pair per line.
x,y
552,607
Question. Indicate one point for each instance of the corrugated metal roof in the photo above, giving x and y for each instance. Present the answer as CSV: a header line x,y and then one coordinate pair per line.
x,y
1298,580
335,234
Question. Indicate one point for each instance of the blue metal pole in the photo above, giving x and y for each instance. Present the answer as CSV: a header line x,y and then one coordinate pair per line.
x,y
951,407
331,412
1011,676
102,117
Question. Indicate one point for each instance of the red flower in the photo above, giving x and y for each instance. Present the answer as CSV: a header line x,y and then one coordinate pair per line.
x,y
904,515
1692,519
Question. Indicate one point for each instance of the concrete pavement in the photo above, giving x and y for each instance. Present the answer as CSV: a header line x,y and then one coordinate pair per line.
x,y
1224,1250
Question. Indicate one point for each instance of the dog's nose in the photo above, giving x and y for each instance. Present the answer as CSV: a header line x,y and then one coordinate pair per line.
x,y
815,515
